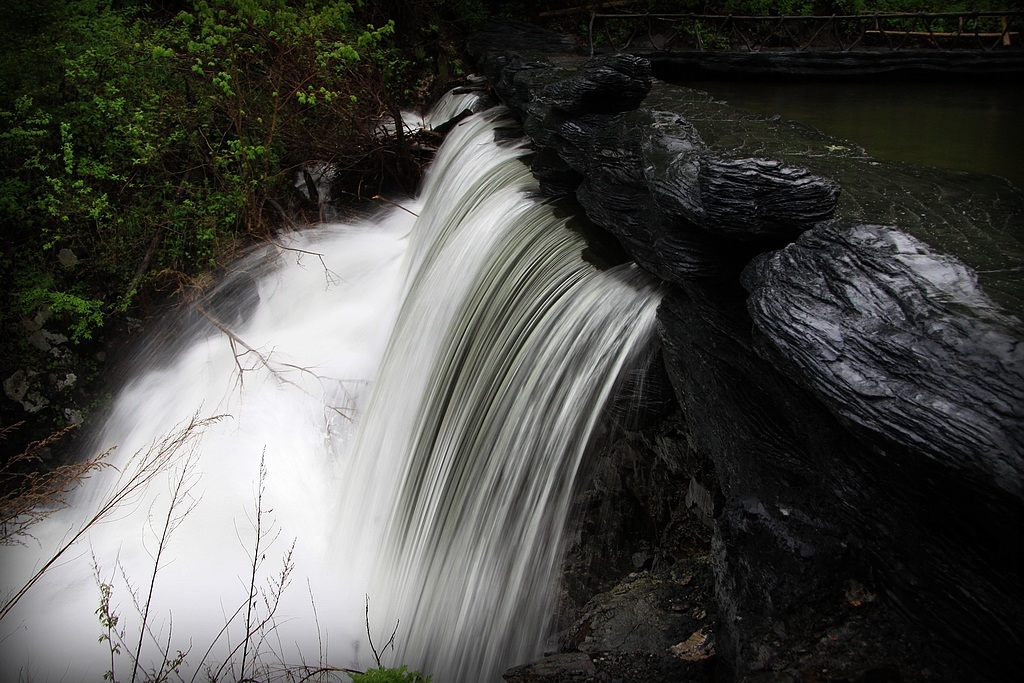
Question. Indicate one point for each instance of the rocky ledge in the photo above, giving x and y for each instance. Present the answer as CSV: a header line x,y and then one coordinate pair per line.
x,y
836,456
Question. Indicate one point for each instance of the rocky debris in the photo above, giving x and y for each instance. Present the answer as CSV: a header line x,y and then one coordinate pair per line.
x,y
648,610
698,647
67,258
843,340
611,667
24,388
54,380
568,666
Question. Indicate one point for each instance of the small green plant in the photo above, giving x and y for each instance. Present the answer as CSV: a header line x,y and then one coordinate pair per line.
x,y
84,315
384,674
389,675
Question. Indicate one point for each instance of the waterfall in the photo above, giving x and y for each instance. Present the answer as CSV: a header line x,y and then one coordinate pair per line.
x,y
364,426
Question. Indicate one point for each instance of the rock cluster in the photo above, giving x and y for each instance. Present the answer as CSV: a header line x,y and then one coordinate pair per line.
x,y
843,344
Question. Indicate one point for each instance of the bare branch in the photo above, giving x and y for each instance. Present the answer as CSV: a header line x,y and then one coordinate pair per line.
x,y
396,204
255,560
391,640
265,360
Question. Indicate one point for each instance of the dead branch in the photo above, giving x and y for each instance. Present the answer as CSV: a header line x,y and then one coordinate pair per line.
x,y
317,670
385,199
264,360
331,276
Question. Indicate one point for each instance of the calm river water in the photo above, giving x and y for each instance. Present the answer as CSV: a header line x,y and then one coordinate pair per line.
x,y
964,126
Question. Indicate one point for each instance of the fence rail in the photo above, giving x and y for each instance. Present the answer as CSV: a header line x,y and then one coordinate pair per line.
x,y
987,31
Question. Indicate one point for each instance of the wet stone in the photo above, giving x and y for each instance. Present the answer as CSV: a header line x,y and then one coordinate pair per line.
x,y
844,340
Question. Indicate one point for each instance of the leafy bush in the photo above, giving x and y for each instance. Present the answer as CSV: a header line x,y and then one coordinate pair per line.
x,y
141,146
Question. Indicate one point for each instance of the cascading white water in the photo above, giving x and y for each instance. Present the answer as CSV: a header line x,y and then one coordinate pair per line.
x,y
419,391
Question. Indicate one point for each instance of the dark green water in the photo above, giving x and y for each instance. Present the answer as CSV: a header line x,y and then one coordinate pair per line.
x,y
963,126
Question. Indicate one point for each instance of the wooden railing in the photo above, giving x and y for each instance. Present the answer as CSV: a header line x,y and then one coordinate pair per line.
x,y
988,31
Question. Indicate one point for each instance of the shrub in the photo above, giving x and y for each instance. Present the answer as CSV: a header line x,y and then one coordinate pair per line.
x,y
141,147
389,675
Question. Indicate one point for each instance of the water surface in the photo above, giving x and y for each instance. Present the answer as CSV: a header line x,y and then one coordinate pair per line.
x,y
961,126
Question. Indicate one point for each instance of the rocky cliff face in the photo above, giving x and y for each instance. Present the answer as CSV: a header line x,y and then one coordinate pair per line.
x,y
842,341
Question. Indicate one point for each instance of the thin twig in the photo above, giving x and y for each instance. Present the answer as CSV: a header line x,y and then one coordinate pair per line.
x,y
369,637
255,558
171,522
385,199
316,622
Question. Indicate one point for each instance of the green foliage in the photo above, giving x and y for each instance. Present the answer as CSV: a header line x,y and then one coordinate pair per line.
x,y
274,73
769,7
150,143
824,7
932,5
754,24
133,131
389,675
83,315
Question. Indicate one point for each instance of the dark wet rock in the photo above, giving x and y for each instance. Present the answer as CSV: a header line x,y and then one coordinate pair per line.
x,y
809,511
607,84
667,247
901,341
744,198
617,667
843,340
901,344
557,178
520,79
601,86
571,138
634,169
978,219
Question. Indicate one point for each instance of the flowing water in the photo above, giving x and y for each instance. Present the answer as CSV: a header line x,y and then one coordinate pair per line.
x,y
402,401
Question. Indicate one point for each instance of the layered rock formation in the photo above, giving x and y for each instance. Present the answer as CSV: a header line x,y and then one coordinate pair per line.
x,y
843,342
